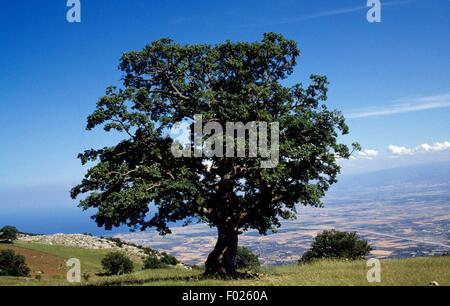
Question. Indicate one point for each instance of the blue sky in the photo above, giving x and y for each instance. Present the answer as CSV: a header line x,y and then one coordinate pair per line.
x,y
391,78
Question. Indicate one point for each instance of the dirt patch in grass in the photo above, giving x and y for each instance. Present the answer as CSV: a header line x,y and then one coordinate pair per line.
x,y
49,265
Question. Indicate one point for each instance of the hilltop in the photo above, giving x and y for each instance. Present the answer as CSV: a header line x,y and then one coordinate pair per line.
x,y
82,241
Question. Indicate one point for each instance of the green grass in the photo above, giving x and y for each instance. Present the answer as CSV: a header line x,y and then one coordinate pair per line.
x,y
417,271
90,259
90,263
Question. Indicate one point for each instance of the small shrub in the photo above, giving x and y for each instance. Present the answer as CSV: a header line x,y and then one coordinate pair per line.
x,y
247,260
337,245
158,261
119,243
149,251
168,259
8,234
12,264
116,263
153,262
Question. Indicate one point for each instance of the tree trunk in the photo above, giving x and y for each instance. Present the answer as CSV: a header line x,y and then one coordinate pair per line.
x,y
222,260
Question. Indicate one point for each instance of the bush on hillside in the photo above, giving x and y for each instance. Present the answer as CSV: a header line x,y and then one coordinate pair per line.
x,y
119,243
12,264
155,261
168,259
116,263
148,251
8,234
337,245
247,260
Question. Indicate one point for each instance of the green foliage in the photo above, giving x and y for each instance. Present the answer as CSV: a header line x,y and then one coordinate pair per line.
x,y
168,259
117,263
8,234
148,251
119,243
153,262
167,83
158,261
247,260
337,245
12,264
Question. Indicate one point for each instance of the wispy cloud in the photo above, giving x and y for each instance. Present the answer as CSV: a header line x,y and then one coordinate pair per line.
x,y
404,106
338,11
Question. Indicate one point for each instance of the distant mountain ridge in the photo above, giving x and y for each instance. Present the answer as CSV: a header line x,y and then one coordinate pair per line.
x,y
438,173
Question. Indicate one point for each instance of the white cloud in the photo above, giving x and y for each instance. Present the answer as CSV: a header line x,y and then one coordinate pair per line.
x,y
423,148
435,147
396,150
405,106
368,154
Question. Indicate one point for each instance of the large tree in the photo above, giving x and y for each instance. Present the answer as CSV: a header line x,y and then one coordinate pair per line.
x,y
167,83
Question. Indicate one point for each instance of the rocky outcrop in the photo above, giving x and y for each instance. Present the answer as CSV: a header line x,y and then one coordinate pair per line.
x,y
85,242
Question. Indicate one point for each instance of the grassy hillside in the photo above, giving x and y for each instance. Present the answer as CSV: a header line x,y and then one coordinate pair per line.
x,y
50,260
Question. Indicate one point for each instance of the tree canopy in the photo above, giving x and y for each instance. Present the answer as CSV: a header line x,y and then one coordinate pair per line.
x,y
8,234
12,264
337,245
167,83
